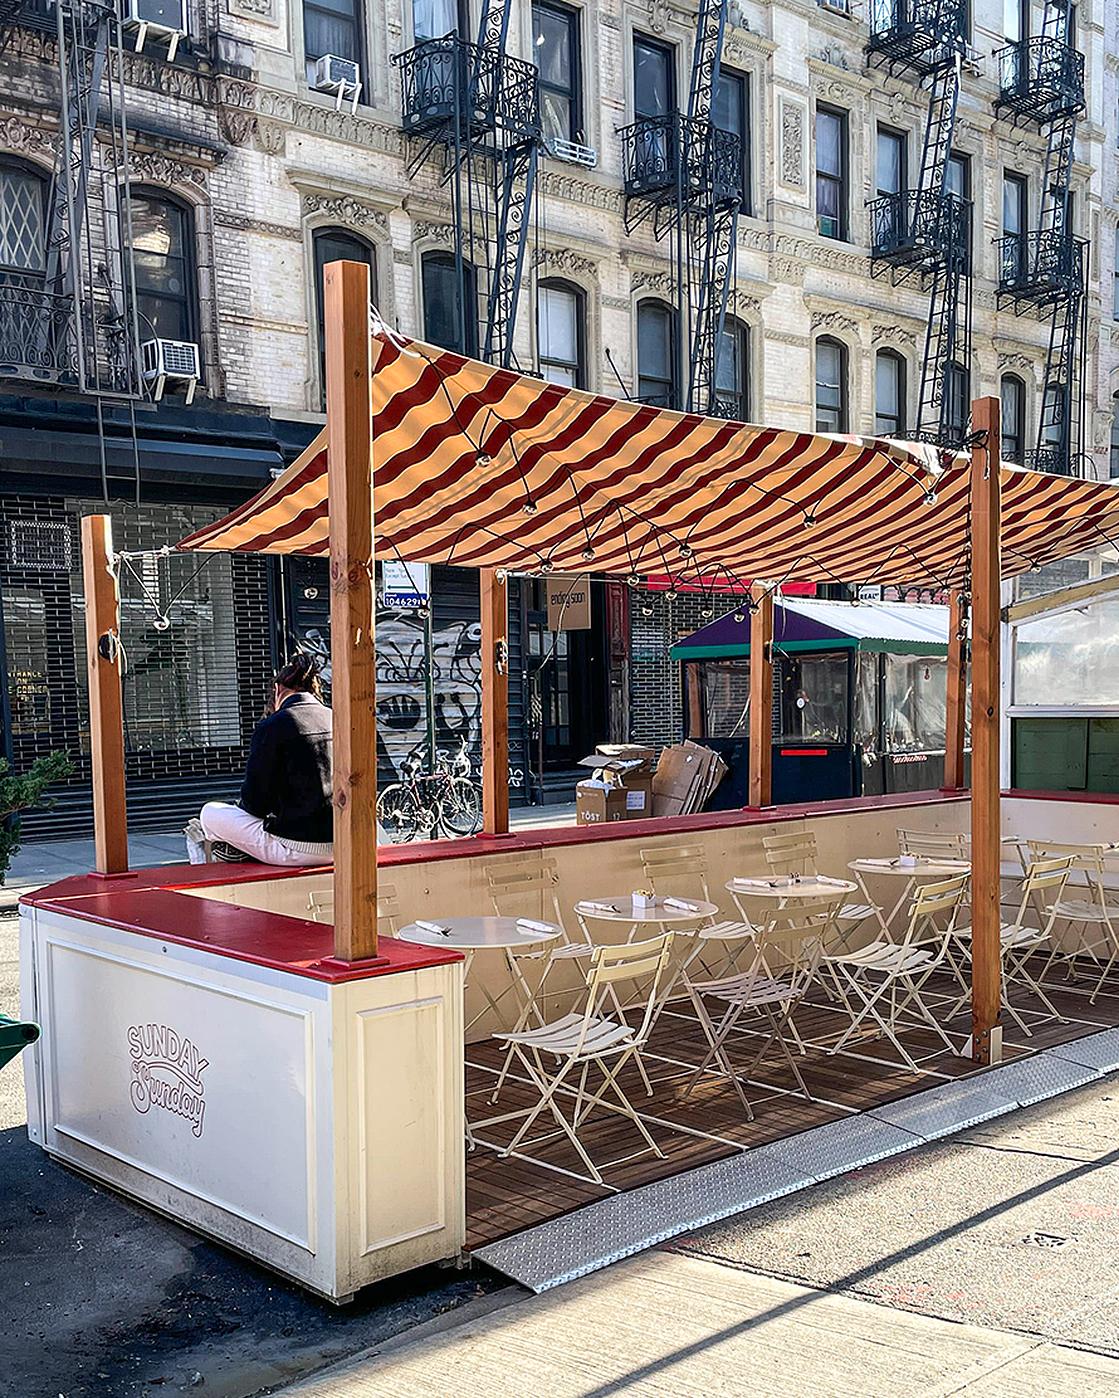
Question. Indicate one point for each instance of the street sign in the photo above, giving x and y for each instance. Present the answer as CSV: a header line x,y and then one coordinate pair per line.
x,y
569,602
405,587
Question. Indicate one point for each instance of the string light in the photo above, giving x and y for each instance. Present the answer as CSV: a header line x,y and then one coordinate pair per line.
x,y
588,552
529,507
483,459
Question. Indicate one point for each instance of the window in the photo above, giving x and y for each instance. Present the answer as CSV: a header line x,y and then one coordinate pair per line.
x,y
1016,20
23,220
1114,464
444,295
831,386
1013,419
163,259
1054,422
331,26
555,31
958,402
890,161
831,173
889,394
957,181
334,245
731,112
1015,196
732,375
654,78
431,19
562,334
657,355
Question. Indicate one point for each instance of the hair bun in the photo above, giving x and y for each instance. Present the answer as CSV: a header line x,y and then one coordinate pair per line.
x,y
300,672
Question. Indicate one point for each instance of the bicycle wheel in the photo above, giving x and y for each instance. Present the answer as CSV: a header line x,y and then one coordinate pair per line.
x,y
399,814
460,812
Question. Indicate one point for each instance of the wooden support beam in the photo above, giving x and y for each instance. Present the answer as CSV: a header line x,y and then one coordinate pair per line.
x,y
106,713
957,692
352,618
761,697
986,569
1064,599
495,703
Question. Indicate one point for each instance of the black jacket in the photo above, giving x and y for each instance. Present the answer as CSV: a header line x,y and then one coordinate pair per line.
x,y
289,777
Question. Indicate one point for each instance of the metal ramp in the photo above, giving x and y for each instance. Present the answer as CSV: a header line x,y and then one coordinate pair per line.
x,y
604,1232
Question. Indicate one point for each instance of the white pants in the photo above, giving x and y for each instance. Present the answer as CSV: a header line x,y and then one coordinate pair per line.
x,y
221,821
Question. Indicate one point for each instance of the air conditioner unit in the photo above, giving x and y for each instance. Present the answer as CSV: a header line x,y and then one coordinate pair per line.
x,y
837,7
575,153
174,361
165,19
341,76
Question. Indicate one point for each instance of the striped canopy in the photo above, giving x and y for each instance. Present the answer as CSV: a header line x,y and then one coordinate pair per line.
x,y
484,467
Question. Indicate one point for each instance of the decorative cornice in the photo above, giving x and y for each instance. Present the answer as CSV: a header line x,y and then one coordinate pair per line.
x,y
225,219
564,260
661,282
154,167
833,322
353,213
893,336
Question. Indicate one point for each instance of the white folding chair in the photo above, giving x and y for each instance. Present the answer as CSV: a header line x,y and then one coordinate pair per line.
x,y
320,905
932,844
793,938
681,871
794,852
1094,916
1042,889
557,1059
880,981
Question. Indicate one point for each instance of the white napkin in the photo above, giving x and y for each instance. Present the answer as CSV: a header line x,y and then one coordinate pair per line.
x,y
881,863
834,883
755,883
598,907
681,906
439,927
528,924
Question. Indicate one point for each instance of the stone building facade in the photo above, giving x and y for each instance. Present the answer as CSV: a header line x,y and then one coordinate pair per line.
x,y
269,177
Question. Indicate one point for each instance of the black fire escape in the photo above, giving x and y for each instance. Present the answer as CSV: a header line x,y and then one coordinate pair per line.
x,y
67,306
476,109
1043,271
924,234
683,177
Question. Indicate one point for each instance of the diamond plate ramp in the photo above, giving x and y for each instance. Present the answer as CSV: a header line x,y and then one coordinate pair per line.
x,y
1034,1079
1099,1051
953,1106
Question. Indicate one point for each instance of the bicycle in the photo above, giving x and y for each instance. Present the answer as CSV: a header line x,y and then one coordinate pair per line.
x,y
425,805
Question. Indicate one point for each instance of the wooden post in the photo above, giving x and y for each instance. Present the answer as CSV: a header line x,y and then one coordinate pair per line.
x,y
352,653
957,692
106,712
761,697
986,570
495,703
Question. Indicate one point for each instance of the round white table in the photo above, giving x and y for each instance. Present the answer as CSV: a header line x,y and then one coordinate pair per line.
x,y
781,886
914,868
657,914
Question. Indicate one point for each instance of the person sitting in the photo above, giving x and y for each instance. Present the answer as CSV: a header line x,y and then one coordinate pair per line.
x,y
285,814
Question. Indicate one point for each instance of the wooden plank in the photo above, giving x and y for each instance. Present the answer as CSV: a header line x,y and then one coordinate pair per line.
x,y
352,654
761,697
495,703
106,714
957,692
986,560
1063,599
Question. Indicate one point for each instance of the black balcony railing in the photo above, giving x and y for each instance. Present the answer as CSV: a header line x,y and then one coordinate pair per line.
x,y
1043,266
451,84
36,332
1053,457
918,226
677,155
922,34
1041,78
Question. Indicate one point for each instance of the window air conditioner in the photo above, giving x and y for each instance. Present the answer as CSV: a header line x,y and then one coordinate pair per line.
x,y
171,360
341,76
837,7
575,153
165,19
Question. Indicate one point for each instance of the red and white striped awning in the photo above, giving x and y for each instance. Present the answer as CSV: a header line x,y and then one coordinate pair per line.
x,y
483,467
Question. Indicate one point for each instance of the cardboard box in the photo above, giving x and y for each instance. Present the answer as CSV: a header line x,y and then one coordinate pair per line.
x,y
638,788
686,775
599,803
626,752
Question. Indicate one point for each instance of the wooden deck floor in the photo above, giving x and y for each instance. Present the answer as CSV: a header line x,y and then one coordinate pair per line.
x,y
508,1194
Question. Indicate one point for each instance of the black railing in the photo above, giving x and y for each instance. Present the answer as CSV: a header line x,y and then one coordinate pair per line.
x,y
449,83
1054,458
920,33
1040,266
32,14
1041,77
663,156
918,226
36,331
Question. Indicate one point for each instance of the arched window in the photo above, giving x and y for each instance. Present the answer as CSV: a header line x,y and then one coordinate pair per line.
x,y
658,355
1013,393
831,385
163,259
732,374
23,224
443,297
334,245
889,394
562,333
957,390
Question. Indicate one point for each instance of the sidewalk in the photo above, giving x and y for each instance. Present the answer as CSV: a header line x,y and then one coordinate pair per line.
x,y
676,1325
44,861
